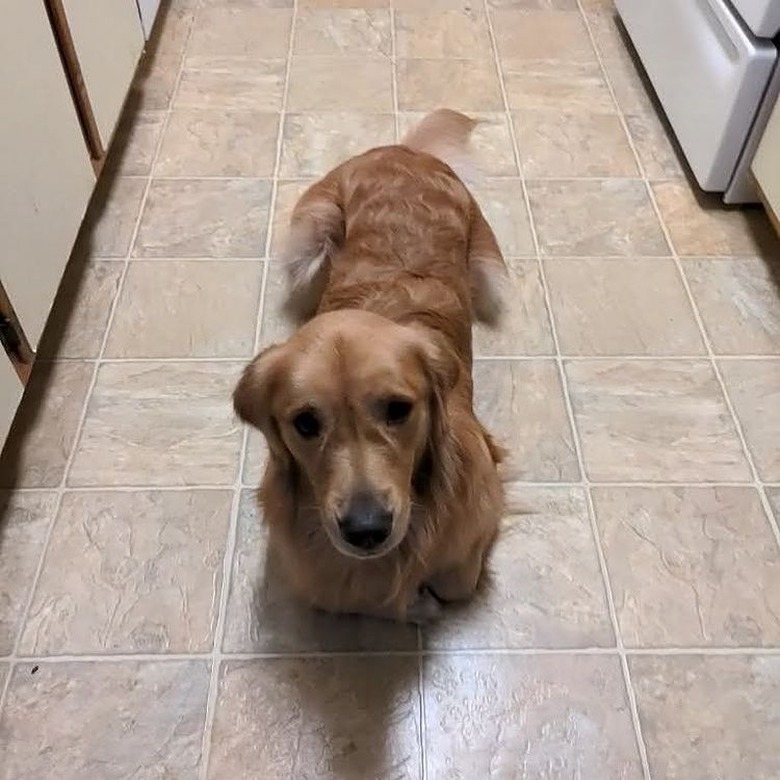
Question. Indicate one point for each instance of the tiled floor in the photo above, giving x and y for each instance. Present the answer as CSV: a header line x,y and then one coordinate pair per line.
x,y
632,627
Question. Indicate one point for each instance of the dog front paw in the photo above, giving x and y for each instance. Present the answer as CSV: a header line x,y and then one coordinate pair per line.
x,y
424,608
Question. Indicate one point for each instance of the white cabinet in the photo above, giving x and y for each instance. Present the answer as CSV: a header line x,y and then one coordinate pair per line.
x,y
108,40
64,77
47,177
766,165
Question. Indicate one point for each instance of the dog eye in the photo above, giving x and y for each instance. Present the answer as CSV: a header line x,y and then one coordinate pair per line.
x,y
307,424
397,411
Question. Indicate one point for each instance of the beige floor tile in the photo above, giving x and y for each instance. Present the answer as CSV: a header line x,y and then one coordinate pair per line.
x,y
654,146
187,309
556,85
621,307
580,144
691,567
448,34
264,617
706,717
219,143
107,720
754,389
135,142
276,325
192,218
634,93
255,459
463,85
160,424
597,5
528,716
175,27
503,205
242,32
24,521
78,321
255,86
491,141
654,420
148,575
288,193
739,302
318,719
545,588
773,494
521,403
154,83
541,35
432,5
46,425
524,328
535,5
113,214
348,4
319,84
595,218
314,143
699,224
350,32
609,34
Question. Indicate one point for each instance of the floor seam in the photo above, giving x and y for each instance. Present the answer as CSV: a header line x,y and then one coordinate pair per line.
x,y
217,655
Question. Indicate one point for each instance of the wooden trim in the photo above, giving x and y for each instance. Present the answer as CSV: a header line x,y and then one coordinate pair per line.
x,y
78,89
22,362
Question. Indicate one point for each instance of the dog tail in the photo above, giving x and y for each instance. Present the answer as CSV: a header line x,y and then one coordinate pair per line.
x,y
445,134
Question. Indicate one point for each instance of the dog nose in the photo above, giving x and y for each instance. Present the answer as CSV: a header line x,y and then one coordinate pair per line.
x,y
366,523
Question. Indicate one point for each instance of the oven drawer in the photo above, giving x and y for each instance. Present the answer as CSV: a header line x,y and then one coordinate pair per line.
x,y
708,73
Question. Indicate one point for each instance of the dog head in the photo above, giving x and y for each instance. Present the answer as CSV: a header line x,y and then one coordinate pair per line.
x,y
354,404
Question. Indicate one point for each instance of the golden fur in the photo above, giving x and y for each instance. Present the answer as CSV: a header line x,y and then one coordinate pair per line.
x,y
390,260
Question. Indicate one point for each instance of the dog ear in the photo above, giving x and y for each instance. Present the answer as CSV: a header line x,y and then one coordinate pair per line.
x,y
444,463
253,396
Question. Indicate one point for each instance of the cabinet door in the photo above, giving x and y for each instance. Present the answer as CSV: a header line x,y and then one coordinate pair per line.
x,y
108,40
766,163
45,173
10,395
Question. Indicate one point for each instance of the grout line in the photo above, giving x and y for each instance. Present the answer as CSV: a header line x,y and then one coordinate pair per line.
x,y
394,76
230,548
304,655
702,358
513,136
630,692
61,489
710,353
517,483
421,697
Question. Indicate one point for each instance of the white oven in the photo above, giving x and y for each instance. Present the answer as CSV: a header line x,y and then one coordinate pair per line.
x,y
714,67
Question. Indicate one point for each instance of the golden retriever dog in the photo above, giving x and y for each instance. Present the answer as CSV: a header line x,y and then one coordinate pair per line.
x,y
381,491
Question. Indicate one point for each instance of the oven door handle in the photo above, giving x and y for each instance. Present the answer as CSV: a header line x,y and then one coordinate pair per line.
x,y
726,27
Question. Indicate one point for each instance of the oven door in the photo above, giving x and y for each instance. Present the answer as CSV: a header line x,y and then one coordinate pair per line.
x,y
709,74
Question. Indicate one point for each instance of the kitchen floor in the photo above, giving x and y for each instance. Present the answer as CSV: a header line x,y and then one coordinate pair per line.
x,y
632,627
